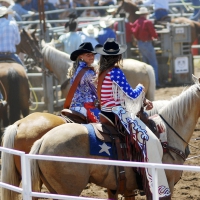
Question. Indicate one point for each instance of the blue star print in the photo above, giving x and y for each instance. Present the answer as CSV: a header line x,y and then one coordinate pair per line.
x,y
118,76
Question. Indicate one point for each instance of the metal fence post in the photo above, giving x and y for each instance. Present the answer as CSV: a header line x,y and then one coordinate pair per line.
x,y
122,34
155,183
26,177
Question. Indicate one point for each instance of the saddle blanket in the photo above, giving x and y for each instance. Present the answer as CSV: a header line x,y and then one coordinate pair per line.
x,y
97,147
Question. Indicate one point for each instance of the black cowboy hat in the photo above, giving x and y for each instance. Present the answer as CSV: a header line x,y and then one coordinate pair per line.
x,y
85,47
110,47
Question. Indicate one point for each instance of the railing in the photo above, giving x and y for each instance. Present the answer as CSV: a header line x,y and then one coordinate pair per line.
x,y
27,192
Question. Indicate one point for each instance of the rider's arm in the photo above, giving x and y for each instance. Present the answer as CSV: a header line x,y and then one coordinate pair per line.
x,y
119,78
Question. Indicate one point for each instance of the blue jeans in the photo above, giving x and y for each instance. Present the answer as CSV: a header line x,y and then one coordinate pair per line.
x,y
149,56
12,56
160,13
196,13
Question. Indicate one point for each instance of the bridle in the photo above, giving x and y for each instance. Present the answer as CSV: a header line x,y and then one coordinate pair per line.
x,y
32,47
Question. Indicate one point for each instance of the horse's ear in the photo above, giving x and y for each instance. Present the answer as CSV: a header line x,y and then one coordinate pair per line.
x,y
52,41
195,79
43,43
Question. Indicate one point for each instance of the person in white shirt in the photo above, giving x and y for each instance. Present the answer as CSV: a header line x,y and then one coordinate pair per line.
x,y
161,8
89,34
72,39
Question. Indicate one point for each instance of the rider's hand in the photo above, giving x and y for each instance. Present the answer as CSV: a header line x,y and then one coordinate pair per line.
x,y
148,104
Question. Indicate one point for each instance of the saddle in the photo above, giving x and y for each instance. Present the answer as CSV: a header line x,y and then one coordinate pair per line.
x,y
72,116
8,60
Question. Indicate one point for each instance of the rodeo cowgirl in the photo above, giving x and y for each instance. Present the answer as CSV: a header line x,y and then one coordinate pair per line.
x,y
119,101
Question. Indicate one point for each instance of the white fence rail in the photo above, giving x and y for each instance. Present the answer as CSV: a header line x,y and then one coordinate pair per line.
x,y
26,190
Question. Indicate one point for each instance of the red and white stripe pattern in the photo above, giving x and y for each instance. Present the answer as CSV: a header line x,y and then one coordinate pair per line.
x,y
107,100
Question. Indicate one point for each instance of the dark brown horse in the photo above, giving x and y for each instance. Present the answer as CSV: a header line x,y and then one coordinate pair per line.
x,y
30,46
14,82
129,7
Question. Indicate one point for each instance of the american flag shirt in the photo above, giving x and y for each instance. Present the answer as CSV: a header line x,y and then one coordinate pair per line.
x,y
9,35
116,78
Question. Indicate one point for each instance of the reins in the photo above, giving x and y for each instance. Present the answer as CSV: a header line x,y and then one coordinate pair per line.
x,y
176,132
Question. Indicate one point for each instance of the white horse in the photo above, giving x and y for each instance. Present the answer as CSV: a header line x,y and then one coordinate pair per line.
x,y
181,113
136,72
56,61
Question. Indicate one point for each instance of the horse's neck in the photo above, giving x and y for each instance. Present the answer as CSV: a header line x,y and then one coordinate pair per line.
x,y
59,63
182,119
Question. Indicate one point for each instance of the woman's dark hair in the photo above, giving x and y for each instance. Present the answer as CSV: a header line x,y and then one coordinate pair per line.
x,y
72,23
107,61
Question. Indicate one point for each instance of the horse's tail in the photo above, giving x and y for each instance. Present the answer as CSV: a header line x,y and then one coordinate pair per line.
x,y
9,172
35,172
152,83
14,95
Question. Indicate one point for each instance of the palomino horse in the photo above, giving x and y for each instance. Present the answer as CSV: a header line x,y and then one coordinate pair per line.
x,y
130,8
136,72
21,136
72,140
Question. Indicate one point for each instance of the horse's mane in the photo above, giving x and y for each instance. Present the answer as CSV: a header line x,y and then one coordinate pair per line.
x,y
55,56
179,106
157,105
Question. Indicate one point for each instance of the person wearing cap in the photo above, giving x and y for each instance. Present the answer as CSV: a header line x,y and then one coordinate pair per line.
x,y
18,8
144,32
9,36
85,95
71,39
89,34
14,16
161,8
118,100
106,31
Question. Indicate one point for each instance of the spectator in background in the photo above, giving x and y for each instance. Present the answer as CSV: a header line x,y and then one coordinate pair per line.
x,y
144,32
18,8
9,36
89,34
80,3
129,33
104,3
71,39
7,3
55,3
161,8
196,14
106,31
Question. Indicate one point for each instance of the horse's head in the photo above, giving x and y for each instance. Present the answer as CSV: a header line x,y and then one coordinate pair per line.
x,y
196,81
129,7
29,46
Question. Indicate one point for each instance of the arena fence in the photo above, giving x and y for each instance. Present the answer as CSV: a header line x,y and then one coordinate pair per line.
x,y
27,192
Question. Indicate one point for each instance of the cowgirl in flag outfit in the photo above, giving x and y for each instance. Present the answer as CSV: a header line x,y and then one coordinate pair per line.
x,y
85,94
118,98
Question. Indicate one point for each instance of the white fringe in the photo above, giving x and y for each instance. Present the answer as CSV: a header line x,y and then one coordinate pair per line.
x,y
129,104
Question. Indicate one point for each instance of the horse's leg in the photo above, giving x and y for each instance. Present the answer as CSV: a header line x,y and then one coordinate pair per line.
x,y
5,117
112,195
24,103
